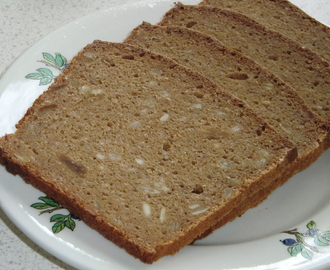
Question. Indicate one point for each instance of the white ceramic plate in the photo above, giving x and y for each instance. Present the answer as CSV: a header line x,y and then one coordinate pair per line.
x,y
249,242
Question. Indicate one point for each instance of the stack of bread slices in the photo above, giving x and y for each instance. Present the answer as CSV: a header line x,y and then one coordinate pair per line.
x,y
158,141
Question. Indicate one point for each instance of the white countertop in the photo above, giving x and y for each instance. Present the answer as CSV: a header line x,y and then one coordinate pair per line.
x,y
22,23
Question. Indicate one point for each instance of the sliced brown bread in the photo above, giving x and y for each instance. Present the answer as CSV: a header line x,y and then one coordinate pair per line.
x,y
133,144
273,100
304,70
286,18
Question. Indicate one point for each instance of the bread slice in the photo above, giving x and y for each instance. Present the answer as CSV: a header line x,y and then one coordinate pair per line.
x,y
299,67
284,17
273,100
134,144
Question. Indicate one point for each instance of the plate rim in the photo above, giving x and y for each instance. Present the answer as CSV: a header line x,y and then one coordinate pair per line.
x,y
30,49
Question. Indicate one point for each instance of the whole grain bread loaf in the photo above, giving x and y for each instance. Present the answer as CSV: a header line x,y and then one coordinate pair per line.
x,y
299,67
284,17
273,100
135,145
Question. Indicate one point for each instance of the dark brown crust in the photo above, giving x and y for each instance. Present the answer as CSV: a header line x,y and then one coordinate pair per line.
x,y
110,232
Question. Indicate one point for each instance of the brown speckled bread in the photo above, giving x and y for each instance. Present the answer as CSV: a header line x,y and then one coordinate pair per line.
x,y
134,144
286,18
299,67
273,100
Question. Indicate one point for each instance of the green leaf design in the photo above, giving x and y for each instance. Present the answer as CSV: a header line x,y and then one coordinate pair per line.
x,y
34,76
40,206
45,81
60,61
311,225
58,226
325,235
49,201
57,217
45,75
295,249
49,205
69,223
307,253
319,240
46,72
64,60
48,57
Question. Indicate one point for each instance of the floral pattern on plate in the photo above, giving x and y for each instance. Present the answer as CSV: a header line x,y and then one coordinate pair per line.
x,y
45,75
304,243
